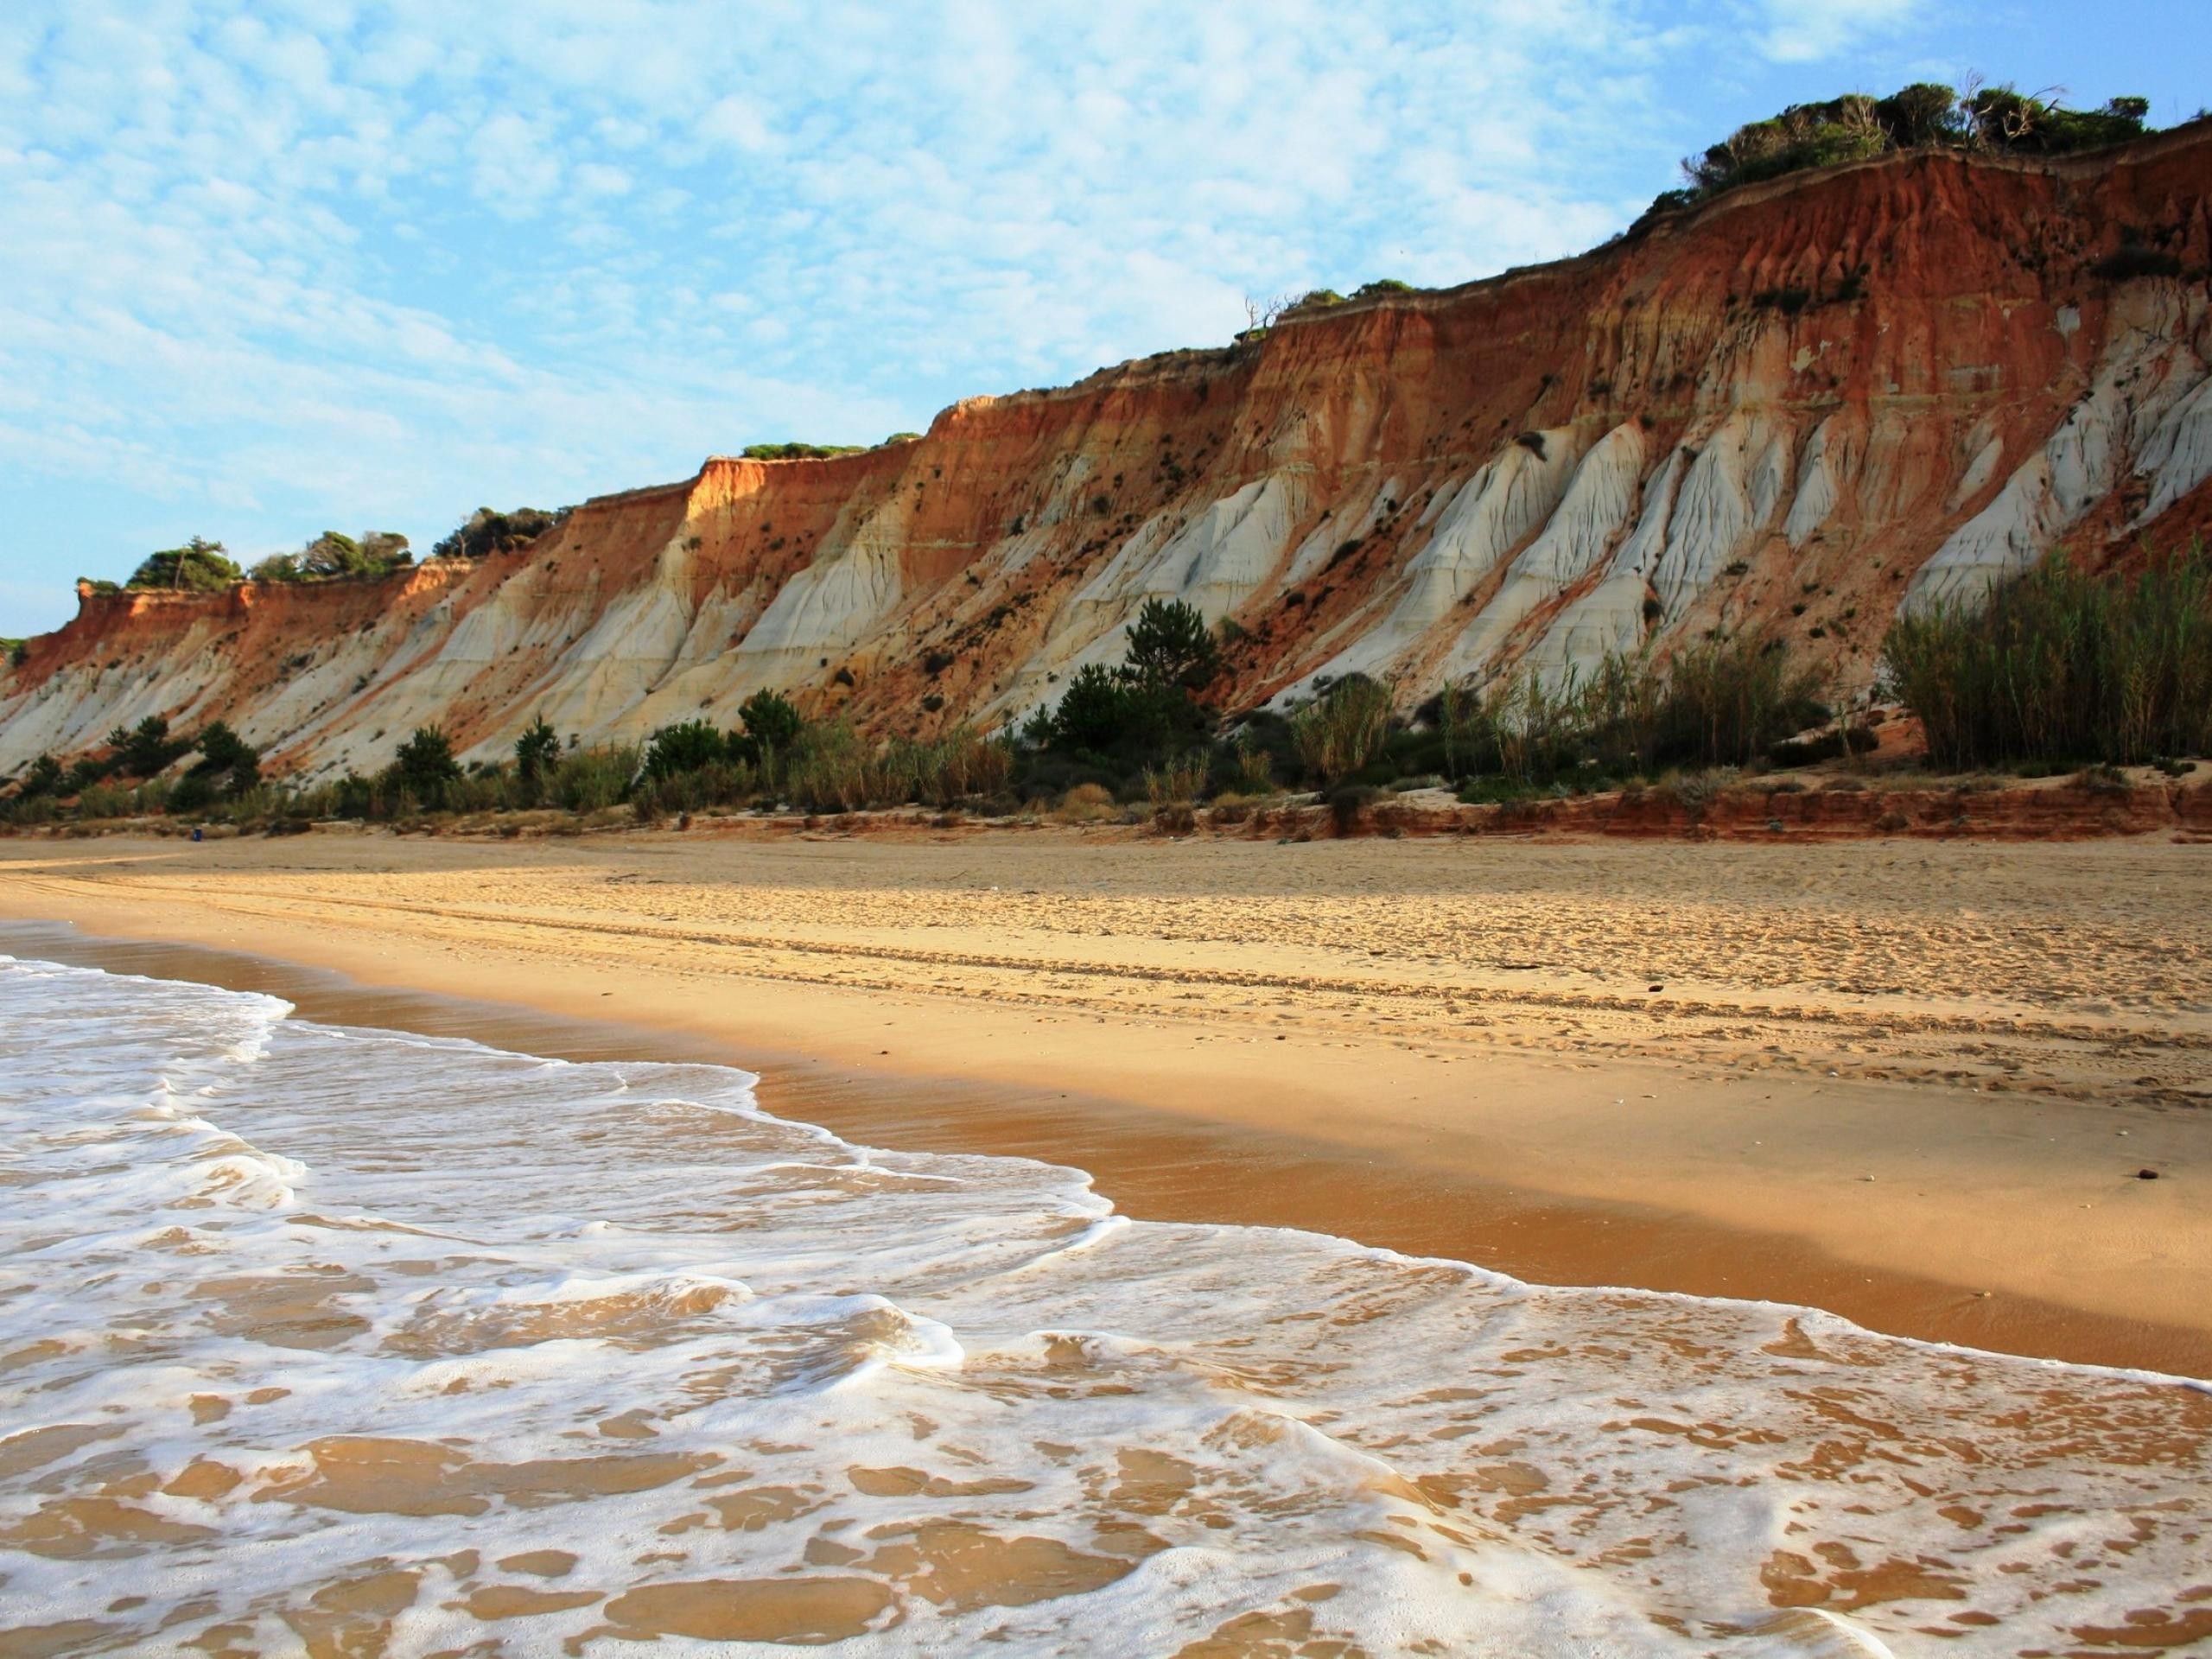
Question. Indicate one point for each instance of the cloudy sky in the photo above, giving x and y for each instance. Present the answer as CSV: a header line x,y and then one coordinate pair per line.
x,y
270,268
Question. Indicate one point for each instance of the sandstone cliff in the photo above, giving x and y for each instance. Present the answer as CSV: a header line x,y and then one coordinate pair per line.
x,y
1791,411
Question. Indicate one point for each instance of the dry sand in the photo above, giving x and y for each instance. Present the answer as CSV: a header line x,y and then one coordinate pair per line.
x,y
1914,1082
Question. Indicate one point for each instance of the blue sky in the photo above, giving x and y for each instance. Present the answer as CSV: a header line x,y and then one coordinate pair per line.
x,y
270,268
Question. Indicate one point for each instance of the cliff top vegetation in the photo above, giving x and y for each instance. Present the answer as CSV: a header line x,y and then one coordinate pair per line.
x,y
1926,116
333,554
198,567
487,532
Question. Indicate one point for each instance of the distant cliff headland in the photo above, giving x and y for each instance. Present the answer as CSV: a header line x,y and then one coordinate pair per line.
x,y
1877,360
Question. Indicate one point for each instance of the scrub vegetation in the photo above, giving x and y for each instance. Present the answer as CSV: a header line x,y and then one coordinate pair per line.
x,y
1926,116
2056,670
334,555
2061,668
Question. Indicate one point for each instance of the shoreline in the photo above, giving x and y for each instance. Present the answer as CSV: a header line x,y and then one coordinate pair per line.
x,y
1186,1120
1287,1182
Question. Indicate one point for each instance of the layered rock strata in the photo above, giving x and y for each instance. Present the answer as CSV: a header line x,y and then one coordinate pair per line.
x,y
1793,411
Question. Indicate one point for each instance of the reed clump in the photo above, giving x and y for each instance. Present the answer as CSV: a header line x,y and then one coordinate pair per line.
x,y
1720,704
832,768
1343,730
2059,667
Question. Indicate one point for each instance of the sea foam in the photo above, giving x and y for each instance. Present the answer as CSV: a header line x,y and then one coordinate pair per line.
x,y
324,1339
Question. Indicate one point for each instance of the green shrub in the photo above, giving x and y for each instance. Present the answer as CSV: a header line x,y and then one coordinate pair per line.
x,y
1924,116
714,782
1494,790
44,777
537,752
1727,702
1170,645
1091,712
686,747
831,768
425,766
487,532
963,765
197,567
804,451
772,724
1695,790
1177,782
1252,771
332,555
192,793
2002,118
226,761
591,780
106,801
19,652
1919,117
1723,704
2058,666
147,748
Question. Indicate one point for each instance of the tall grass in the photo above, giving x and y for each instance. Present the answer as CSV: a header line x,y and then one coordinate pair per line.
x,y
831,768
1177,781
2059,666
1718,704
1344,729
591,780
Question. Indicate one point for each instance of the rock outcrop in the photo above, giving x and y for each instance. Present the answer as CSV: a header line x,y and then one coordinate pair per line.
x,y
1792,412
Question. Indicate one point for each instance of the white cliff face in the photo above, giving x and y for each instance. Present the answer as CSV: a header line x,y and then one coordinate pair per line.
x,y
1608,620
1700,510
1356,524
1596,509
1827,456
827,608
1214,561
2178,453
2004,538
1480,522
1728,492
2145,411
1973,481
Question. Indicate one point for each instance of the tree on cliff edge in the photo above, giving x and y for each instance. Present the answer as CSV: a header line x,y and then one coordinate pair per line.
x,y
198,567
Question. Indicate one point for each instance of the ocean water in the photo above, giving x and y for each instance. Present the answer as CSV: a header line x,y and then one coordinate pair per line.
x,y
320,1341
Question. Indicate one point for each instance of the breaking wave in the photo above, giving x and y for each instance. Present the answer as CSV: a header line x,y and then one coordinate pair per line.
x,y
316,1339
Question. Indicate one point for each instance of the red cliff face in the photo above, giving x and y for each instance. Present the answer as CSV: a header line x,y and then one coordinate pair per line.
x,y
1791,412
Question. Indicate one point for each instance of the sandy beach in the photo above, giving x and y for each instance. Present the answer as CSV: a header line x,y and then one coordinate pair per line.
x,y
1916,1084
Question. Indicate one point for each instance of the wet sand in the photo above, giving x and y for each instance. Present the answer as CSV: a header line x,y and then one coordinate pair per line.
x,y
1912,1085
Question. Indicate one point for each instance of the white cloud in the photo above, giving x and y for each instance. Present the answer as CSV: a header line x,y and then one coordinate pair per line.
x,y
1803,31
376,264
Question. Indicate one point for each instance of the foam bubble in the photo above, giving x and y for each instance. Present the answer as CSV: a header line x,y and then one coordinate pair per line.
x,y
362,1341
